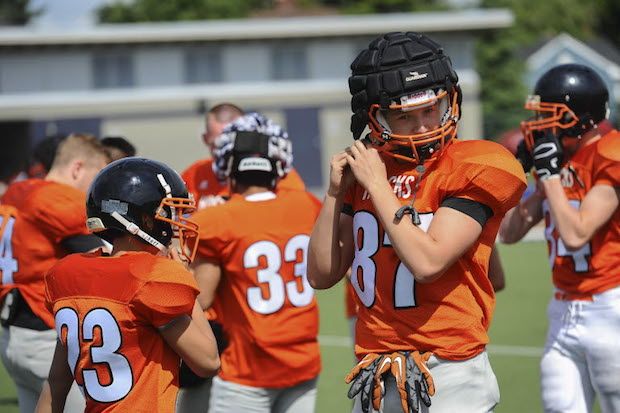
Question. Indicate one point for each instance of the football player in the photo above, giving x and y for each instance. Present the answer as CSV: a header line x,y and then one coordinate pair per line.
x,y
124,319
577,167
41,221
252,255
414,212
209,189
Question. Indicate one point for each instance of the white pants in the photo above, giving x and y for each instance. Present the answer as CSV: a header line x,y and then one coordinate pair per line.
x,y
460,386
27,356
582,355
228,397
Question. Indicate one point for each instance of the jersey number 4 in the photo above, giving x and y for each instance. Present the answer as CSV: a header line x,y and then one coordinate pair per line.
x,y
367,244
106,354
557,248
8,264
270,275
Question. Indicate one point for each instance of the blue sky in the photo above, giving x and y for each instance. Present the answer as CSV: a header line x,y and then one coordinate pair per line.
x,y
67,12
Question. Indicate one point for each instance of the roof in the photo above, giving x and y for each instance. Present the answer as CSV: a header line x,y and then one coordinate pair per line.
x,y
266,28
598,52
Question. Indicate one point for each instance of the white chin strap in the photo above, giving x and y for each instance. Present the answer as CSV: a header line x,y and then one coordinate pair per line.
x,y
135,230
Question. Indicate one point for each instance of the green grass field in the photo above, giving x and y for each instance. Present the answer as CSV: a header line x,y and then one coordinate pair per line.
x,y
517,337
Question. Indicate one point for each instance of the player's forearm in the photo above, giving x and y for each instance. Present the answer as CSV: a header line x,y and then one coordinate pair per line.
x,y
568,220
211,362
519,220
420,253
324,249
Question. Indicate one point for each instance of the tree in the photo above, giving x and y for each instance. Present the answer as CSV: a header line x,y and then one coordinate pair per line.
x,y
16,12
608,17
499,53
174,10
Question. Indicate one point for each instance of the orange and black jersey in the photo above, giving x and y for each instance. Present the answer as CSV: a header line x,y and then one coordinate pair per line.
x,y
451,315
108,311
38,215
593,268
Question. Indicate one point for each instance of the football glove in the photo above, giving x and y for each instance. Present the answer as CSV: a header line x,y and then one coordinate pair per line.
x,y
547,155
524,156
420,386
361,378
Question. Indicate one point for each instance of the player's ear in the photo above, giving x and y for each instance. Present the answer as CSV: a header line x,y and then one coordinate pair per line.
x,y
76,168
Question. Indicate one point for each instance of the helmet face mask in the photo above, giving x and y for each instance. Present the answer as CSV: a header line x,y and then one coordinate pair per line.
x,y
145,199
569,100
416,128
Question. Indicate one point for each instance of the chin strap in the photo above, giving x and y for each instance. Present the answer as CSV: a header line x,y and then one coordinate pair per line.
x,y
410,209
135,230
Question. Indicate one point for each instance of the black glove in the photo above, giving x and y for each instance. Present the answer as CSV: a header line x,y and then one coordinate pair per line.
x,y
420,386
361,378
524,156
547,154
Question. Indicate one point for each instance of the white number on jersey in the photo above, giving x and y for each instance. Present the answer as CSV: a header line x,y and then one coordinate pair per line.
x,y
366,247
557,247
8,264
121,377
278,291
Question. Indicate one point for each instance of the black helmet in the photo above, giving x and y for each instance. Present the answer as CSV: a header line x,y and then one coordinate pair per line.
x,y
570,98
404,71
144,198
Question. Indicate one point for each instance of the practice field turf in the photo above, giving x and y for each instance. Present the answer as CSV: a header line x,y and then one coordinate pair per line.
x,y
517,337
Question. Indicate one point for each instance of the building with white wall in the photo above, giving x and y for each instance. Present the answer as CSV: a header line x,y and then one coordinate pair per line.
x,y
152,82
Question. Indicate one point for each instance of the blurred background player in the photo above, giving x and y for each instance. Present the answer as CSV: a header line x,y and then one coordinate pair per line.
x,y
577,168
42,221
252,255
125,319
199,177
208,189
414,212
118,147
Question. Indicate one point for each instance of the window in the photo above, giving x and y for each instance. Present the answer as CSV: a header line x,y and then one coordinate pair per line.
x,y
203,65
113,70
289,62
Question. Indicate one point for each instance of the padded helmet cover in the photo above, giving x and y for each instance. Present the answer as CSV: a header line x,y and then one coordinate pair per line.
x,y
394,65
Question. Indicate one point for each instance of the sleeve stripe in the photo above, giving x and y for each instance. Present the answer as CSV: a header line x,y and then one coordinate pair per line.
x,y
478,211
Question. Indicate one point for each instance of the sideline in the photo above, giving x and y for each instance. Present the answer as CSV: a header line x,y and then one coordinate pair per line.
x,y
494,349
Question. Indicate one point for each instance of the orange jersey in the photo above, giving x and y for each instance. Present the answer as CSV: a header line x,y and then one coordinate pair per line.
x,y
265,303
350,306
451,315
593,268
44,214
108,311
202,182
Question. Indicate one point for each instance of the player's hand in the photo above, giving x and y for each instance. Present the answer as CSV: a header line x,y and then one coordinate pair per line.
x,y
366,165
361,378
420,386
340,176
547,154
524,156
175,254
